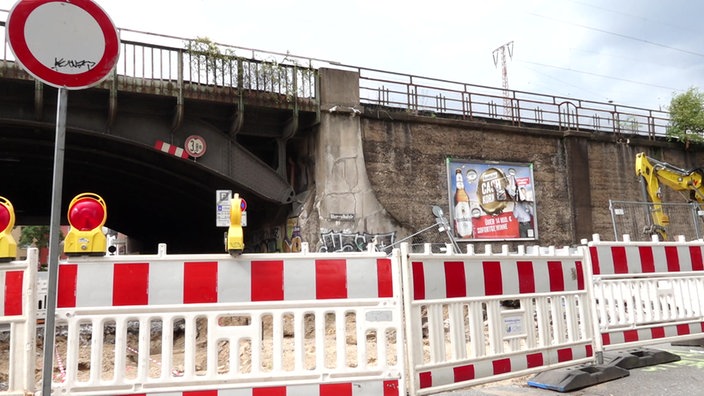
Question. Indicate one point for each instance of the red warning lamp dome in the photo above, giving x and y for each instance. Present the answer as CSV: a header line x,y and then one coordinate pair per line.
x,y
87,213
8,246
5,217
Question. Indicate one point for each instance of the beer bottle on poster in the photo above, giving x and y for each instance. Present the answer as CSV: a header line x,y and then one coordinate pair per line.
x,y
463,222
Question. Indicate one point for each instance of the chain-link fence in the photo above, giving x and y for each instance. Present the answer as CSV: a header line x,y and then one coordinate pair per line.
x,y
636,220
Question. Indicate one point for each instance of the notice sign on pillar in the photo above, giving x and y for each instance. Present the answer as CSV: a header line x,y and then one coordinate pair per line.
x,y
222,208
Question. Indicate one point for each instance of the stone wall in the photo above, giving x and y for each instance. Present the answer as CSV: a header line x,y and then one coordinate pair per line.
x,y
575,173
380,170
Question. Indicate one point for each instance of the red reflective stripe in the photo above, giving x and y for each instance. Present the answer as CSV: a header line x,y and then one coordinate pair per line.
x,y
593,253
273,391
564,355
418,281
391,388
657,332
455,281
66,286
13,293
606,339
557,280
384,278
534,360
344,389
580,275
695,252
464,373
673,259
683,329
200,393
130,284
493,282
268,280
425,379
330,279
647,262
526,277
618,254
200,282
501,366
630,335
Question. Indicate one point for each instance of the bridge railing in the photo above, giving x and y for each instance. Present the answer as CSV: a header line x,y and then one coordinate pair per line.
x,y
148,59
167,59
436,97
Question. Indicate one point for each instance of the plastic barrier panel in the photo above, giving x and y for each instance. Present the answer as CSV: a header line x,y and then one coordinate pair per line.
x,y
18,323
327,324
474,318
647,292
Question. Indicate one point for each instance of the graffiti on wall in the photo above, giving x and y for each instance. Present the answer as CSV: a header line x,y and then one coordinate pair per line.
x,y
292,240
265,241
337,241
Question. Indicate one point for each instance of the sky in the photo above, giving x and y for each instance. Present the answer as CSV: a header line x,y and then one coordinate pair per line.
x,y
631,52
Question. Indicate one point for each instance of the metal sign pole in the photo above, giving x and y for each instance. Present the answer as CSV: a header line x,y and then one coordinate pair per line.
x,y
55,230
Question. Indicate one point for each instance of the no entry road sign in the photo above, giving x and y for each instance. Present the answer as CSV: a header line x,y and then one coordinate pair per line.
x,y
72,45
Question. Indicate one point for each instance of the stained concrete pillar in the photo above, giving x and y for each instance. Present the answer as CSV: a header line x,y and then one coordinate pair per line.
x,y
343,200
577,155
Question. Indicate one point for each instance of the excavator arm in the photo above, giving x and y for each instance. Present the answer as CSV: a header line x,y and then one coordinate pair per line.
x,y
653,174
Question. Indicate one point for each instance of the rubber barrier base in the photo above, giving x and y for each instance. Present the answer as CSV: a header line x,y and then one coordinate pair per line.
x,y
641,357
699,342
578,377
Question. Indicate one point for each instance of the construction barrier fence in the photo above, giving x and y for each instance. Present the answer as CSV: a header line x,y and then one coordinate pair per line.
x,y
259,324
348,323
646,292
476,318
18,322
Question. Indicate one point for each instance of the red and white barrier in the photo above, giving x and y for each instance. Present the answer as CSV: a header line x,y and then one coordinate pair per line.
x,y
254,324
18,313
162,280
646,292
170,149
471,337
336,324
385,388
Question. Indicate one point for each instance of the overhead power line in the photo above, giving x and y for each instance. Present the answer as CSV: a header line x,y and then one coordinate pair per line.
x,y
600,75
621,35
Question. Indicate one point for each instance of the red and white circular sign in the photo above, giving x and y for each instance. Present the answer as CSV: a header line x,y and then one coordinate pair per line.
x,y
72,45
195,146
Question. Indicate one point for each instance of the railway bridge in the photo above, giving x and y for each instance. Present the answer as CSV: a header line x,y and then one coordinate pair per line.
x,y
322,150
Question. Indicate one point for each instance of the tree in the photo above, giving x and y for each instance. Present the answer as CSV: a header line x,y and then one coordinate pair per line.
x,y
38,237
687,117
34,236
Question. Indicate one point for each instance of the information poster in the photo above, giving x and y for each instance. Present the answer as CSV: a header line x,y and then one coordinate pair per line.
x,y
491,200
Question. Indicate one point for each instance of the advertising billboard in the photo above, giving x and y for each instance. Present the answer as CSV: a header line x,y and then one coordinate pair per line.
x,y
491,200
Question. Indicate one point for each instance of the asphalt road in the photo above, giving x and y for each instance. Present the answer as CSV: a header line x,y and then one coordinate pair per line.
x,y
683,377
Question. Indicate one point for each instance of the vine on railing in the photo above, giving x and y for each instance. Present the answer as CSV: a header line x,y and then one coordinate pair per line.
x,y
213,64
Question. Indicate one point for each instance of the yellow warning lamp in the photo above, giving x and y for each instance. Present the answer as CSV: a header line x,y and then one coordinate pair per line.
x,y
8,246
235,235
87,213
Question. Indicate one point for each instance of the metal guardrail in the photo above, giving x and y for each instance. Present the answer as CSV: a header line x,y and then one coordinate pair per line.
x,y
422,95
635,219
168,59
148,57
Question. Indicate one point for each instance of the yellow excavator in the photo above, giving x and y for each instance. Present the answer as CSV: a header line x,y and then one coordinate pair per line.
x,y
653,174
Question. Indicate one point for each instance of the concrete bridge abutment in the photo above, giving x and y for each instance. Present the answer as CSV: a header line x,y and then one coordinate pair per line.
x,y
342,200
